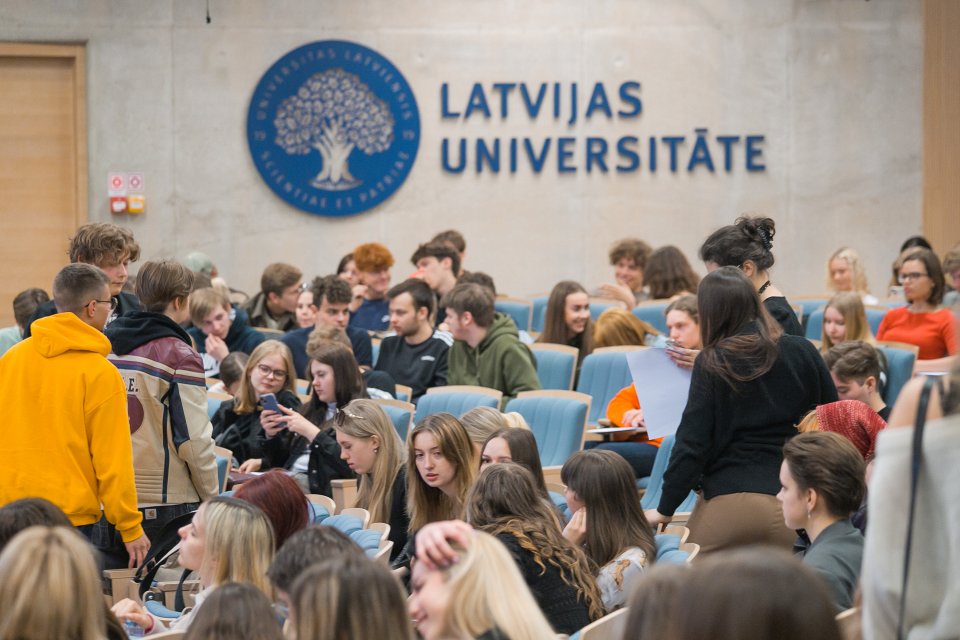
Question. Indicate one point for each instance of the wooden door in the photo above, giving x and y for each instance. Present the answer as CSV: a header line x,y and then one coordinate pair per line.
x,y
43,163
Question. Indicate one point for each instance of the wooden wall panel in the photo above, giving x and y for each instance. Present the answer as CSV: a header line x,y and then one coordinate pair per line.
x,y
941,123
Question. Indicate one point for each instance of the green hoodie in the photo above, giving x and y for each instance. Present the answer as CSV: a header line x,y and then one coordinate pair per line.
x,y
500,361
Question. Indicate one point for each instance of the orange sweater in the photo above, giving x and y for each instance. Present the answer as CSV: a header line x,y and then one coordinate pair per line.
x,y
932,332
625,400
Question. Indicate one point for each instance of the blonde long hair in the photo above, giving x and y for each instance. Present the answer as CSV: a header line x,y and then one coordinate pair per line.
x,y
365,419
238,543
850,306
246,397
618,327
349,596
487,590
427,504
50,587
858,275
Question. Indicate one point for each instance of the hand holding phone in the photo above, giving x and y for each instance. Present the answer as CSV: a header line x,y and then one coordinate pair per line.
x,y
269,402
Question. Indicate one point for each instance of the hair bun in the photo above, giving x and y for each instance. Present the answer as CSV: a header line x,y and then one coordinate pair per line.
x,y
762,229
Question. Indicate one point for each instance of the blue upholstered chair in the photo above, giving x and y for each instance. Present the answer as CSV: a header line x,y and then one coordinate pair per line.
x,y
539,313
520,310
455,399
900,362
375,349
400,414
875,315
651,499
652,313
814,329
556,365
214,400
602,374
808,305
558,420
599,305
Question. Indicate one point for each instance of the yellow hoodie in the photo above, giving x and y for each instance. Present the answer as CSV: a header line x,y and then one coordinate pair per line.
x,y
64,434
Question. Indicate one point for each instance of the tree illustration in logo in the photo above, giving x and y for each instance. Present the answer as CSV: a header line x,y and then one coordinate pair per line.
x,y
334,112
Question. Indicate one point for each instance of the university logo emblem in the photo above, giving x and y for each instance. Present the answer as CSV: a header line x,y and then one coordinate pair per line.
x,y
333,128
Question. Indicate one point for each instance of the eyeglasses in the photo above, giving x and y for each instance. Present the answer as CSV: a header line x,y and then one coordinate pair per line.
x,y
266,371
342,415
113,302
908,277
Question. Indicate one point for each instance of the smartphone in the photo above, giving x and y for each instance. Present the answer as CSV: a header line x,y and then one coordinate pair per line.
x,y
673,345
269,401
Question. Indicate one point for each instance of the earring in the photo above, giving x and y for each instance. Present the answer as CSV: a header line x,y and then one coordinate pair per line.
x,y
808,514
377,450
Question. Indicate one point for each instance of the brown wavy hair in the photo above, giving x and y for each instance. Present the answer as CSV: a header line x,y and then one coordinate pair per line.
x,y
668,273
504,499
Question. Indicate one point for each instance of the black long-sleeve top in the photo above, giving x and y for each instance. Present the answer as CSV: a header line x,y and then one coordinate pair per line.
x,y
730,440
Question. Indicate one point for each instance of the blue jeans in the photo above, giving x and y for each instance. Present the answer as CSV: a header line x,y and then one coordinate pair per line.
x,y
106,538
640,455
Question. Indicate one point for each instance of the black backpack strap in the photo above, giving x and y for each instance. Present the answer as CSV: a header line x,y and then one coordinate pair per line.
x,y
166,544
178,604
916,457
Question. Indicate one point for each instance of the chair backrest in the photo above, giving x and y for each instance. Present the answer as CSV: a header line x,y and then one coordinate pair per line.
x,y
900,363
456,400
814,330
361,514
518,309
322,507
224,459
404,392
602,374
612,626
399,412
875,315
557,419
652,313
539,313
214,400
651,499
375,351
302,386
556,364
599,305
807,304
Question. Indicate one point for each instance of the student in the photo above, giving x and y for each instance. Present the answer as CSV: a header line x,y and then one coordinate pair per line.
x,y
50,586
618,327
487,351
852,419
218,329
628,258
332,296
608,522
855,369
173,460
504,503
438,265
845,272
66,432
281,500
456,240
844,318
923,322
482,595
349,597
440,469
112,249
306,309
303,442
347,271
750,385
237,423
25,304
228,540
379,383
373,261
303,549
481,423
417,355
822,484
637,448
669,274
519,446
370,446
652,605
567,319
235,611
231,373
275,306
747,244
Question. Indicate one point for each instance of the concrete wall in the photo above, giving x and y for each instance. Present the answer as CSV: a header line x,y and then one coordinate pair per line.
x,y
834,85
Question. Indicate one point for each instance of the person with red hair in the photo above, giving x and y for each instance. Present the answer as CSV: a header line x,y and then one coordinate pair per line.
x,y
281,499
373,262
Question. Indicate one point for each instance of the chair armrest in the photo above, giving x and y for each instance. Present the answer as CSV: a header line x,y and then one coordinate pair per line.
x,y
122,584
344,493
552,475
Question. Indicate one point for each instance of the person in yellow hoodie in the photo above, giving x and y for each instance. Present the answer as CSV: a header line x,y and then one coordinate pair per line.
x,y
65,435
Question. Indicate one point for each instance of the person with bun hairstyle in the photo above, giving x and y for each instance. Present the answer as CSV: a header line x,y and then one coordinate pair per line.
x,y
746,244
822,485
751,384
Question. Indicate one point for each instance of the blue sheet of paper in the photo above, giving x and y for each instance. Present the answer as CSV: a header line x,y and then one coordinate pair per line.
x,y
662,388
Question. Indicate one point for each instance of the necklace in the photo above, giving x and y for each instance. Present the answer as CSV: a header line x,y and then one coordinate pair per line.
x,y
763,288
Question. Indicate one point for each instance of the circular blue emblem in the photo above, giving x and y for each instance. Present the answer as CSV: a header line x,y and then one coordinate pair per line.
x,y
333,128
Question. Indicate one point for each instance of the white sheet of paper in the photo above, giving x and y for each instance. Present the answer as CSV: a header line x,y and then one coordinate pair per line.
x,y
662,388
